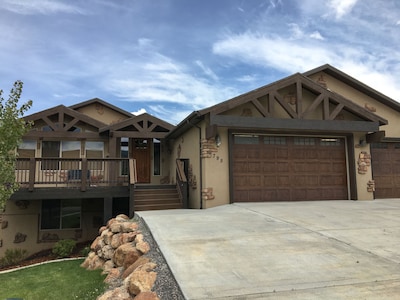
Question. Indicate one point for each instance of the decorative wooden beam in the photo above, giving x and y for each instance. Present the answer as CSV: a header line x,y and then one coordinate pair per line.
x,y
294,124
271,106
260,108
49,123
317,101
285,106
299,96
71,124
61,120
375,137
336,111
325,111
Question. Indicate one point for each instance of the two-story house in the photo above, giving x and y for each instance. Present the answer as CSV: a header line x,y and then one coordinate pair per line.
x,y
319,135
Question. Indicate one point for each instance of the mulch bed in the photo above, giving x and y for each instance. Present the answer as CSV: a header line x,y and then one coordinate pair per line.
x,y
46,255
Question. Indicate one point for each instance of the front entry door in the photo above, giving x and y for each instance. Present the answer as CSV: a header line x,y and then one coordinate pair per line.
x,y
141,152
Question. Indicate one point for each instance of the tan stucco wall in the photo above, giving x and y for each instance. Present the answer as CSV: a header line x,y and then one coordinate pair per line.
x,y
26,221
102,113
187,147
362,179
216,176
165,176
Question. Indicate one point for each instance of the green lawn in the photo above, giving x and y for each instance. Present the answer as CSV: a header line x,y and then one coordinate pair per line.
x,y
58,280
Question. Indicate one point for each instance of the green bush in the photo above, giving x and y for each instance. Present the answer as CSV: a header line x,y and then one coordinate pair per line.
x,y
85,251
64,248
12,257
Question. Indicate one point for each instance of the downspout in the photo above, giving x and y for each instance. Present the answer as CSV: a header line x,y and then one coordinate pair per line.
x,y
201,163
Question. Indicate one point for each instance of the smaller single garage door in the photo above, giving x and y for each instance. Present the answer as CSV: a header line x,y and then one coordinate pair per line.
x,y
385,159
288,168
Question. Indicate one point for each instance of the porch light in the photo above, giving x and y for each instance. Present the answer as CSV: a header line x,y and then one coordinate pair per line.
x,y
218,140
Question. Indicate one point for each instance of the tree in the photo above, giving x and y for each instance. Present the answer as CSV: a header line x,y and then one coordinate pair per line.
x,y
12,128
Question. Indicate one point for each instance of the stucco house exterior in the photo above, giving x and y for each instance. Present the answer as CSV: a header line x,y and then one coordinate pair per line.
x,y
318,135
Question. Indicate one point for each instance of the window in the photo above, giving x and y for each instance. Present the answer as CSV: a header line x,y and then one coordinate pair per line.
x,y
246,139
25,150
274,140
157,157
304,141
70,149
124,153
95,150
330,142
50,149
379,145
61,214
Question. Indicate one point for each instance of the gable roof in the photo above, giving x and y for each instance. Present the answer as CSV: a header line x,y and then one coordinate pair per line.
x,y
356,84
324,97
57,114
103,103
141,126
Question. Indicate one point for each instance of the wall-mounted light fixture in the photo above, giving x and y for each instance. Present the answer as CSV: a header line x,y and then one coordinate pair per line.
x,y
218,140
362,143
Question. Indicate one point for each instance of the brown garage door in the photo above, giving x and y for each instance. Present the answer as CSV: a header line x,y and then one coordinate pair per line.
x,y
386,169
283,168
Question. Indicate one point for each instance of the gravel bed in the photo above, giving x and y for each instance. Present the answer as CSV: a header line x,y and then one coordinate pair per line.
x,y
165,286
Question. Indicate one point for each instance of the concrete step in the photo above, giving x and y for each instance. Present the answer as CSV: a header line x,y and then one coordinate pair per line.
x,y
148,197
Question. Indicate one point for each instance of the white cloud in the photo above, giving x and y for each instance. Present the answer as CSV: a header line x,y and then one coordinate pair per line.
x,y
278,53
170,114
43,7
139,112
247,78
316,35
291,57
341,7
158,78
296,31
206,70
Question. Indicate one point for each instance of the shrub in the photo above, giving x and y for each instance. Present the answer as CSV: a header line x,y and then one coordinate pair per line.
x,y
64,248
85,251
12,257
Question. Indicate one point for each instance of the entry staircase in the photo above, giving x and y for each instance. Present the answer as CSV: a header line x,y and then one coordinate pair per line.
x,y
156,197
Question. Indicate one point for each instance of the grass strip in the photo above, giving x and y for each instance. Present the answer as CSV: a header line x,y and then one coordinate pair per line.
x,y
62,280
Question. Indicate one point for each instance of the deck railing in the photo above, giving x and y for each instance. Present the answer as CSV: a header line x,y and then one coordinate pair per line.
x,y
80,173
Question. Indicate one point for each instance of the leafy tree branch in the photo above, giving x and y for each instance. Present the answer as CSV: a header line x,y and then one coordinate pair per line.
x,y
12,128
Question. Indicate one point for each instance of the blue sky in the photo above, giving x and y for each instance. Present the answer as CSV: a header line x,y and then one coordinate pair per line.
x,y
171,57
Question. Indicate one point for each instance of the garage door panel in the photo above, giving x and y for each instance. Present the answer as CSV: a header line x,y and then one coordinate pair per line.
x,y
290,168
240,167
282,153
240,181
332,180
255,195
305,167
254,181
385,158
270,181
254,167
282,181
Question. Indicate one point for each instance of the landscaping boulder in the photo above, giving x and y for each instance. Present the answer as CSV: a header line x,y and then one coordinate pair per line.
x,y
142,279
125,255
147,296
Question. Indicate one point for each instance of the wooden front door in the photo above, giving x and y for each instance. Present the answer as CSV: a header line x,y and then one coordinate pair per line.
x,y
141,152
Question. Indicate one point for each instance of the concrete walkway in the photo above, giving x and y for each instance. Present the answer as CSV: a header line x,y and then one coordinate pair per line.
x,y
297,250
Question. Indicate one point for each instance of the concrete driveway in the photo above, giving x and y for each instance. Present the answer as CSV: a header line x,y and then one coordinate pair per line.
x,y
290,250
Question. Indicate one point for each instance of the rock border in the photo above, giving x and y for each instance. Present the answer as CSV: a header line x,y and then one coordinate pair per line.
x,y
136,269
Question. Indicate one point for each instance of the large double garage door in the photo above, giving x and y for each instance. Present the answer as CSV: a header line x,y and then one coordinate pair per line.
x,y
288,168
